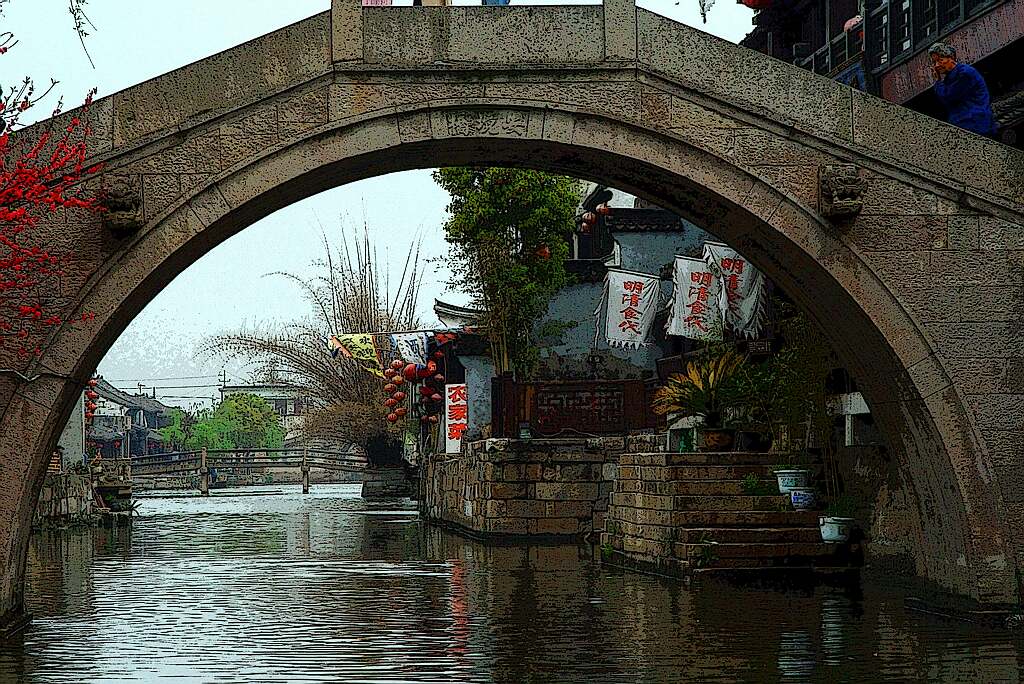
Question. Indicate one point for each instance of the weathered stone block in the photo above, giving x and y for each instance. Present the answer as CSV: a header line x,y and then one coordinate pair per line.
x,y
567,491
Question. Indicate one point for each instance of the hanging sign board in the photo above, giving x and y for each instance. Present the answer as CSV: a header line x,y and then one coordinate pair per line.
x,y
743,295
456,416
631,303
695,311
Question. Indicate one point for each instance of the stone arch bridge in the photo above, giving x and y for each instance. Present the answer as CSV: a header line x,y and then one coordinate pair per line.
x,y
900,235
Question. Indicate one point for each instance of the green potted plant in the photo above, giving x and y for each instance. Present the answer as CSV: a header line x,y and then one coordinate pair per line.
x,y
838,520
706,389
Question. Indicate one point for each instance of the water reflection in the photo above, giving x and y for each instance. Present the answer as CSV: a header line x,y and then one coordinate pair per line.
x,y
277,587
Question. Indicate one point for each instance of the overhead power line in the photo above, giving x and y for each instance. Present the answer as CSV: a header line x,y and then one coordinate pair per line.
x,y
180,377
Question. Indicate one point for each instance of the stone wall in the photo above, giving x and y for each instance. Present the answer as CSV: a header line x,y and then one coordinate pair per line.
x,y
542,487
66,499
385,483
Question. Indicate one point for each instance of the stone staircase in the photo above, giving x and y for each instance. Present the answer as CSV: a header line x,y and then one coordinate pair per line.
x,y
684,513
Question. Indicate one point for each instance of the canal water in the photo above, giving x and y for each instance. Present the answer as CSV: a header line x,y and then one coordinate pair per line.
x,y
268,585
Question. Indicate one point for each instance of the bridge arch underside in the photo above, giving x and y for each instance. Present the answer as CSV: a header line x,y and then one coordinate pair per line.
x,y
957,526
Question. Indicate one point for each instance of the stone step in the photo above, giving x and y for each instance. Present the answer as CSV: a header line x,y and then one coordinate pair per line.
x,y
725,535
749,535
791,552
701,472
697,487
696,519
701,503
716,458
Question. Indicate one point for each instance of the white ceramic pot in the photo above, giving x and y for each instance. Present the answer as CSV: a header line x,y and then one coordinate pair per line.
x,y
792,479
835,530
803,499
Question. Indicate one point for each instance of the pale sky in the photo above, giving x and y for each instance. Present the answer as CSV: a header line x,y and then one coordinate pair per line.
x,y
135,41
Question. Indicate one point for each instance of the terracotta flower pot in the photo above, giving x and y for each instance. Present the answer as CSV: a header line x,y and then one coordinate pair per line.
x,y
715,439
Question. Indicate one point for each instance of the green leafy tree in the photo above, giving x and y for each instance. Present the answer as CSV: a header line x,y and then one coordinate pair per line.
x,y
173,436
210,431
253,423
509,230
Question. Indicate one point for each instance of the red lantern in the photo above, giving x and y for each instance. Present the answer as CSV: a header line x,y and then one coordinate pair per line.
x,y
604,209
398,380
91,406
117,445
392,417
400,396
390,402
590,217
390,387
439,379
439,355
437,397
426,391
544,252
433,419
400,412
423,373
586,228
390,373
89,415
92,382
410,372
397,364
92,396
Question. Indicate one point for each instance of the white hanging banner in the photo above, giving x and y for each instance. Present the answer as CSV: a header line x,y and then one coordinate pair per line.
x,y
456,416
631,302
411,347
743,296
695,307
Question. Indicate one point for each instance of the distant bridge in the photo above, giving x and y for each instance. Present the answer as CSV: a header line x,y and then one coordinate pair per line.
x,y
201,464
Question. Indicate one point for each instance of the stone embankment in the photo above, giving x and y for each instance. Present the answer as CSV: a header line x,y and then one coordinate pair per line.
x,y
66,500
528,487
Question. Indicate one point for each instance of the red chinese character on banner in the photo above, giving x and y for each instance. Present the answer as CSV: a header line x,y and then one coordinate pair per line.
x,y
631,326
734,265
701,278
701,293
629,312
631,299
458,412
457,394
455,430
633,286
697,308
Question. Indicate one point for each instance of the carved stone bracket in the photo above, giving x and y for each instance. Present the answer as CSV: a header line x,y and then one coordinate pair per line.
x,y
123,201
841,191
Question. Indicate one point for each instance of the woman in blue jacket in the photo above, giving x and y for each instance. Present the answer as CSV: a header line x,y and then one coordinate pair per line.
x,y
962,91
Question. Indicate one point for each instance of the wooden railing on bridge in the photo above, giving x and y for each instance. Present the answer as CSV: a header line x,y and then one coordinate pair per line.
x,y
242,461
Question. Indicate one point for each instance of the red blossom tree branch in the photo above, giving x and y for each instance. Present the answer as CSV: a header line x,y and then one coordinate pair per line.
x,y
38,175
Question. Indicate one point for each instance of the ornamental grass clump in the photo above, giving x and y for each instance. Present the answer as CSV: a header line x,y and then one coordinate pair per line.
x,y
707,388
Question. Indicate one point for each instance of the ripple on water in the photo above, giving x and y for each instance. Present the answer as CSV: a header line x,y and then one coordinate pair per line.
x,y
280,587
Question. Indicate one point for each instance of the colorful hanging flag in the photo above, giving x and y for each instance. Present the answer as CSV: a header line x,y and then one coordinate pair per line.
x,y
743,294
696,313
359,347
630,302
411,347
